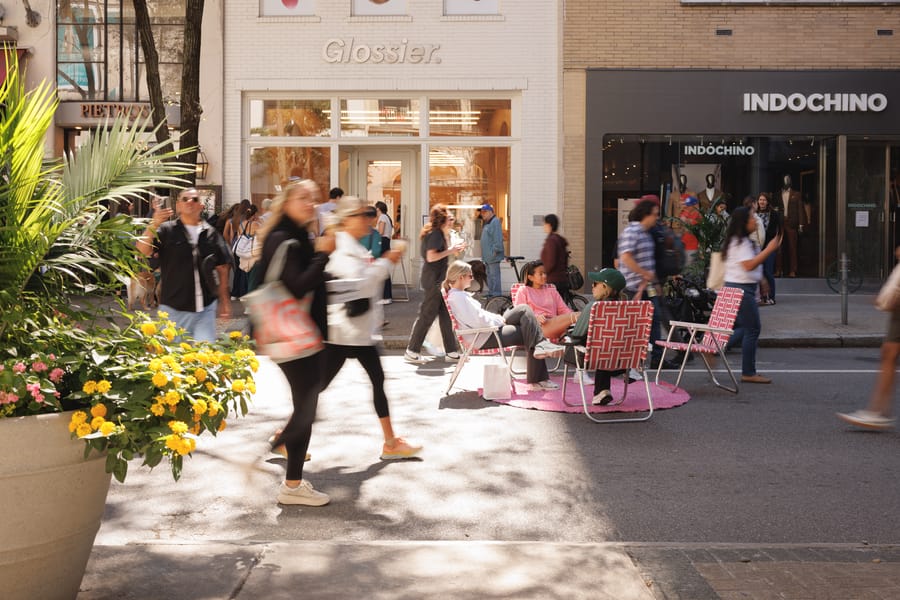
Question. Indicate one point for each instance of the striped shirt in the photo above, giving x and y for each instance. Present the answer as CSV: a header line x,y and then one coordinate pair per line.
x,y
637,241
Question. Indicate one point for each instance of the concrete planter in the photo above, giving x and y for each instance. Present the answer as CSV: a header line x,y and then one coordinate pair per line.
x,y
51,501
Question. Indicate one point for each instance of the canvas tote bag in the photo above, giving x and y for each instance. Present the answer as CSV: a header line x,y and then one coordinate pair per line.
x,y
888,297
497,384
282,325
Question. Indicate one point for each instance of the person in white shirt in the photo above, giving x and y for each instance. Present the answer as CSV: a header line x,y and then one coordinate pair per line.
x,y
517,327
743,270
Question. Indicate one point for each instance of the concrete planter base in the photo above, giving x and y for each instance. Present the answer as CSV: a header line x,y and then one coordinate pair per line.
x,y
52,502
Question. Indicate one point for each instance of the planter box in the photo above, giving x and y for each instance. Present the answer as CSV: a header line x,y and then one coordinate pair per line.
x,y
52,502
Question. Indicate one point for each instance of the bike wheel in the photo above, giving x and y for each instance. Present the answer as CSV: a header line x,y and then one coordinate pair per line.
x,y
833,278
577,302
498,304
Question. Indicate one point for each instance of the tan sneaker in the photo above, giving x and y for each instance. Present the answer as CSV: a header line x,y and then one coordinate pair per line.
x,y
398,449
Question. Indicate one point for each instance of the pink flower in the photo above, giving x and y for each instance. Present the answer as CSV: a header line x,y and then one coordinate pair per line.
x,y
56,394
38,366
51,356
2,397
56,375
39,398
19,367
11,398
34,389
2,368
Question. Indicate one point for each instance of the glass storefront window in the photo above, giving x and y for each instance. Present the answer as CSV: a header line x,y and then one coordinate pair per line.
x,y
272,166
361,117
379,7
464,178
470,117
293,118
98,53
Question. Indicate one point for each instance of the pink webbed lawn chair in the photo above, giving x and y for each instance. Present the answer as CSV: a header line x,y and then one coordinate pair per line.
x,y
617,339
707,339
482,334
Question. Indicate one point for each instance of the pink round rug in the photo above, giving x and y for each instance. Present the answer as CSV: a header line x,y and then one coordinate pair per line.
x,y
664,396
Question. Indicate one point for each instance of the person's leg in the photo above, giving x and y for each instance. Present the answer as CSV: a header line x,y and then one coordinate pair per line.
x,y
371,362
303,378
428,310
769,272
748,316
554,327
602,381
495,288
882,398
205,327
333,358
523,317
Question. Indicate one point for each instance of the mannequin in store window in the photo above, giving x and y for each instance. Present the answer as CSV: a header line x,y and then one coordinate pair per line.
x,y
676,199
795,219
710,196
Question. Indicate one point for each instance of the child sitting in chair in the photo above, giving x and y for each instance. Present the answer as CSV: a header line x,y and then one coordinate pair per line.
x,y
606,285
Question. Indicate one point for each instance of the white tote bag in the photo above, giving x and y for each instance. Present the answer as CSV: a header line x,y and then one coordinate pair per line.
x,y
889,296
497,384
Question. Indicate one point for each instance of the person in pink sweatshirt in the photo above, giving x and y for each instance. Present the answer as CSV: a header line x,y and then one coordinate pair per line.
x,y
548,306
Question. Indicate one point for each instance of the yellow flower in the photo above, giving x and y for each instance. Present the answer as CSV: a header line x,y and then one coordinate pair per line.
x,y
169,333
73,426
237,385
172,398
157,409
222,425
190,380
210,387
83,430
200,374
252,387
162,314
108,428
200,407
96,422
156,364
254,365
214,408
185,346
148,329
169,360
176,381
197,416
160,379
103,386
202,358
178,427
196,429
79,417
89,387
173,442
98,410
235,335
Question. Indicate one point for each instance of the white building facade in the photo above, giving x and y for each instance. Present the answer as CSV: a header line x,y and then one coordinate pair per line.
x,y
409,103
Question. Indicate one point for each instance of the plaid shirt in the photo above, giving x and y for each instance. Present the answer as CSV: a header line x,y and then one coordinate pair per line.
x,y
636,240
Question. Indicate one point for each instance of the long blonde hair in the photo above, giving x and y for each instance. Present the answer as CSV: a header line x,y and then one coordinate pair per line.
x,y
276,210
457,269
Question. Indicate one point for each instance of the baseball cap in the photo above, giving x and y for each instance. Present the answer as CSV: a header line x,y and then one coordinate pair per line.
x,y
650,197
487,207
691,201
348,206
611,277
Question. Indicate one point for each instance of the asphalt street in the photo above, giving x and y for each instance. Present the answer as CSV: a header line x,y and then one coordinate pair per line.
x,y
769,466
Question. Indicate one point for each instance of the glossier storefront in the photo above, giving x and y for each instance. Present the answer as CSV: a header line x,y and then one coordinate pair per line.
x,y
833,136
410,103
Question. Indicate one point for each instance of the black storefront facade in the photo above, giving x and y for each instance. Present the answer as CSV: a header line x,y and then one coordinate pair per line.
x,y
835,133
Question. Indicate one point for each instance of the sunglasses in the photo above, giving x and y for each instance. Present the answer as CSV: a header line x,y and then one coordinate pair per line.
x,y
190,199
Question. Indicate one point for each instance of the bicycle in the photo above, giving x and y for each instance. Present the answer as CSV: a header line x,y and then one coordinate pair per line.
x,y
500,304
833,277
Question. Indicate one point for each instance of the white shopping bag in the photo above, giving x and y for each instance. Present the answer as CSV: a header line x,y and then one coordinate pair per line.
x,y
497,384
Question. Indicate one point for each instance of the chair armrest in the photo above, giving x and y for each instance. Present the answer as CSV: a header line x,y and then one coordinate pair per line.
x,y
700,327
476,330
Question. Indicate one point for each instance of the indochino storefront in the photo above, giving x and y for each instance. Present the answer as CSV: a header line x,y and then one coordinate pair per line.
x,y
829,138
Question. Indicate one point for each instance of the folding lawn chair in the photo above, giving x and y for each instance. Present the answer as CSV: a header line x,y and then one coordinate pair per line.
x,y
711,339
617,339
512,294
482,334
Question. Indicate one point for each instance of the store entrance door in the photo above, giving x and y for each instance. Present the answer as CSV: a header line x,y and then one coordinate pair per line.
x,y
389,175
868,207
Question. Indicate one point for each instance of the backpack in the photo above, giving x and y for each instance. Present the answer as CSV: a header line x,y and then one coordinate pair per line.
x,y
668,252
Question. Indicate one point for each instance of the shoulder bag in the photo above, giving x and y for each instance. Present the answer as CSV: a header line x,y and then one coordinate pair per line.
x,y
716,278
282,325
888,298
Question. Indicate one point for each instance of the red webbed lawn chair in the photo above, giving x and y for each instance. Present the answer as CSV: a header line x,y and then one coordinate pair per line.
x,y
617,339
707,339
482,334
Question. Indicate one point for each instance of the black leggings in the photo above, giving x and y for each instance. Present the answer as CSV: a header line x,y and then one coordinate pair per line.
x,y
304,376
336,355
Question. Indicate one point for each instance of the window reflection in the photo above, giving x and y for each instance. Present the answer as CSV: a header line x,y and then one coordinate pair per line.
x,y
469,117
364,117
271,167
464,178
293,118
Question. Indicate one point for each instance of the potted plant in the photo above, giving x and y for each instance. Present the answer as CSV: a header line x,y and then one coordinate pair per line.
x,y
84,387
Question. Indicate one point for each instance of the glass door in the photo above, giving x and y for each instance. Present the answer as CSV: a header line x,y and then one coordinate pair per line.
x,y
867,206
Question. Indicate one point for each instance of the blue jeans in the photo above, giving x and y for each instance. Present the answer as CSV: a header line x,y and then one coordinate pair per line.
x,y
769,273
493,279
747,327
199,325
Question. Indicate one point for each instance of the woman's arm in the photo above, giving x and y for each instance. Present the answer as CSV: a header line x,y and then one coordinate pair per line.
x,y
561,307
758,259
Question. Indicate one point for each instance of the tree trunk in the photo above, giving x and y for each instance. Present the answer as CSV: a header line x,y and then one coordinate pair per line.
x,y
151,63
190,83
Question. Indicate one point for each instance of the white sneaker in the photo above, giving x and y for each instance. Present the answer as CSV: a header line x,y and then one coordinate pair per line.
x,y
414,357
543,385
302,494
545,349
867,419
451,357
584,378
432,349
603,398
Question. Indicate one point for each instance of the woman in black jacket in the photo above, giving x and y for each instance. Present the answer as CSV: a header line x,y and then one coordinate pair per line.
x,y
771,219
304,272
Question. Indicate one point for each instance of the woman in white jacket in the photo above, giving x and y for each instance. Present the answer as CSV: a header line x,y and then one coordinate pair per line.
x,y
355,327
